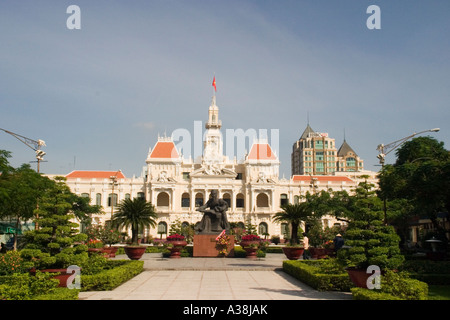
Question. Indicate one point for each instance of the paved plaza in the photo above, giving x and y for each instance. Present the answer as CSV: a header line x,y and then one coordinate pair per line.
x,y
213,279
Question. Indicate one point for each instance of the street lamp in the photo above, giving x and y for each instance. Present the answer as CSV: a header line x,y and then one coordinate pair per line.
x,y
384,150
113,184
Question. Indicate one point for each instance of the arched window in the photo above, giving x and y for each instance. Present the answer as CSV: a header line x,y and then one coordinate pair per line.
x,y
185,200
162,228
240,202
199,199
263,229
85,195
141,195
98,199
127,196
162,200
185,224
296,199
114,199
262,200
283,199
227,198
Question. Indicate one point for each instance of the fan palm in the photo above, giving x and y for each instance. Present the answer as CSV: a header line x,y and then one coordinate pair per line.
x,y
137,214
294,214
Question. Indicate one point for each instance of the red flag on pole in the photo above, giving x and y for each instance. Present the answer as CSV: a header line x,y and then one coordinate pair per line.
x,y
214,83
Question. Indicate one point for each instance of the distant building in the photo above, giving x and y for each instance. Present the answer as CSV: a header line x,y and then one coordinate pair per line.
x,y
315,153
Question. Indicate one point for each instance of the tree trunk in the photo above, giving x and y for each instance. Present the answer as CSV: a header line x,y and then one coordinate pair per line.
x,y
15,234
294,236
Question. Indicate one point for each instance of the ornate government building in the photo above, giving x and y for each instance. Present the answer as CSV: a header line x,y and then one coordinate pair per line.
x,y
177,186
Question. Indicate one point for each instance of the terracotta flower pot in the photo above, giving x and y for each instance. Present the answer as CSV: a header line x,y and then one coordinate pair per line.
x,y
293,253
318,253
175,250
113,252
250,247
62,277
134,252
358,277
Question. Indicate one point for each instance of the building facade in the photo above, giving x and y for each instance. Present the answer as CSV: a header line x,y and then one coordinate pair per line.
x,y
315,153
177,186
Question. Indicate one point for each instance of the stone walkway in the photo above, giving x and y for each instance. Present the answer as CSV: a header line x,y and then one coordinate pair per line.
x,y
213,279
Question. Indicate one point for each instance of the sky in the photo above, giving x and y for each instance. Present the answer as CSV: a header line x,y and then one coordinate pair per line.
x,y
100,96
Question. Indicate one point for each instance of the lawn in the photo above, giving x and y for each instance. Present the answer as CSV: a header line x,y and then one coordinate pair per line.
x,y
438,292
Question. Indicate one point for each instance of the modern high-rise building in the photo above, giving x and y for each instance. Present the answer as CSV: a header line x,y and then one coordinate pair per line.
x,y
315,153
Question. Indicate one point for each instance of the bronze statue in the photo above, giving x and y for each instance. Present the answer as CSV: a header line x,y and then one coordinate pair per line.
x,y
215,218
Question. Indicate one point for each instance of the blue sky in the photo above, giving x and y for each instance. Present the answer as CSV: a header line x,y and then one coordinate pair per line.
x,y
100,96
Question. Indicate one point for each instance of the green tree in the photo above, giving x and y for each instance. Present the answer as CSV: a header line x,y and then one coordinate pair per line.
x,y
21,190
57,241
137,214
295,214
421,177
370,241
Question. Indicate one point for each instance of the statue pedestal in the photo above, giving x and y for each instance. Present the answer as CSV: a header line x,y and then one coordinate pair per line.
x,y
205,245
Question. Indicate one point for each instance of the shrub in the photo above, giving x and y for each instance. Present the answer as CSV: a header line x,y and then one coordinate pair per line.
x,y
109,279
239,252
394,286
431,272
314,274
23,286
11,262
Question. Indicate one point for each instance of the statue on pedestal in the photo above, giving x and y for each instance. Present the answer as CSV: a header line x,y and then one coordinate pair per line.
x,y
215,218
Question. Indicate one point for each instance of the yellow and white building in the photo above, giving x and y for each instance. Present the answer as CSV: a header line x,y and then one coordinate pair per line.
x,y
176,185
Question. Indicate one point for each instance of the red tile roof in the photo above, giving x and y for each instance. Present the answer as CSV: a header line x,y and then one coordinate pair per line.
x,y
297,178
165,150
261,151
95,174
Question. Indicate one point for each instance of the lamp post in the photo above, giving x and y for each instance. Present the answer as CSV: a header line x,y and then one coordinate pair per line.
x,y
384,150
113,184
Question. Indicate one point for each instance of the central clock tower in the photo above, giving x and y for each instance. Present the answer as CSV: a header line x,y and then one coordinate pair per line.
x,y
213,145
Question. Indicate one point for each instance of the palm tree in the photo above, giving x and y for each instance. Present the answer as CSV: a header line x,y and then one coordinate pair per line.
x,y
294,214
137,214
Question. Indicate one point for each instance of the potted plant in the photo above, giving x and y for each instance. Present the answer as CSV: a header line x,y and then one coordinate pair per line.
x,y
136,214
294,214
368,241
57,243
250,243
222,244
175,243
95,246
275,239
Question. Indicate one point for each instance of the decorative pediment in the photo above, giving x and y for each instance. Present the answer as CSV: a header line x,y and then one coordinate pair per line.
x,y
211,170
263,179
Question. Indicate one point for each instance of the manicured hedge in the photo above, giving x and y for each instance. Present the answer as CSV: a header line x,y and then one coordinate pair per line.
x,y
121,271
308,272
274,250
366,294
431,272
